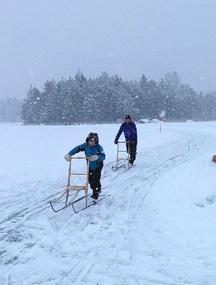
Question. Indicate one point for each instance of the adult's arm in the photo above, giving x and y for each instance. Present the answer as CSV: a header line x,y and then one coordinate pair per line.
x,y
119,132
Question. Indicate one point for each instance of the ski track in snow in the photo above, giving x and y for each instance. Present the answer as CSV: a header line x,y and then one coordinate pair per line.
x,y
95,246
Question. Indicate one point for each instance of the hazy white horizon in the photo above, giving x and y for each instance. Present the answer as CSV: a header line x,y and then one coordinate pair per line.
x,y
42,40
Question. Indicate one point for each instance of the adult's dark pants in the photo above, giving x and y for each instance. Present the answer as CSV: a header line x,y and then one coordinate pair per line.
x,y
94,181
131,148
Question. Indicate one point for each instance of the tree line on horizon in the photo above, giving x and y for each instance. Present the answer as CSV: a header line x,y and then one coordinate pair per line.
x,y
107,98
10,110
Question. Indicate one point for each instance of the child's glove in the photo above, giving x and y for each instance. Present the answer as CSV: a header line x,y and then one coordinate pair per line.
x,y
93,157
67,157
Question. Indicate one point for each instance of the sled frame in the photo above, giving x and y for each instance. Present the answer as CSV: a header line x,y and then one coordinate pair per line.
x,y
72,189
119,159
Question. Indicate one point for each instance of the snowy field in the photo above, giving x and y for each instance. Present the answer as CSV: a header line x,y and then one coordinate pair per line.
x,y
156,227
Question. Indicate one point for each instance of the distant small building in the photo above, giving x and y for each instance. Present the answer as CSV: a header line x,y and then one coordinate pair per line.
x,y
143,121
155,121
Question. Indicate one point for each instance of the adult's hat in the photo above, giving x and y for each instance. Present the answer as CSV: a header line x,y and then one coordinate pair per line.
x,y
128,117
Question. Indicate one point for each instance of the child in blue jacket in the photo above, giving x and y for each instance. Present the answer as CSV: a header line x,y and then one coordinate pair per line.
x,y
130,133
94,151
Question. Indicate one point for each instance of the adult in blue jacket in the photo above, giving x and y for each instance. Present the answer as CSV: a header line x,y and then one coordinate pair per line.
x,y
130,133
94,151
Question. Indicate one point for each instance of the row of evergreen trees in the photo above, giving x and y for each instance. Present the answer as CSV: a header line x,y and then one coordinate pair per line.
x,y
10,110
107,98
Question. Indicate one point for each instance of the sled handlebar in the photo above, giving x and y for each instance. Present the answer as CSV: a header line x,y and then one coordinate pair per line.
x,y
79,157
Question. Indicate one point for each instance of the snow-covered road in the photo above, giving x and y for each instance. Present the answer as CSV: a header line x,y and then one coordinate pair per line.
x,y
157,227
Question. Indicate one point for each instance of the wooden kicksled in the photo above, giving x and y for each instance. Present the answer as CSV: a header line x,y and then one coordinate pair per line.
x,y
121,162
71,192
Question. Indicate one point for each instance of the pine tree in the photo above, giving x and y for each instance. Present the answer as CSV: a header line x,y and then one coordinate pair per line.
x,y
50,97
32,108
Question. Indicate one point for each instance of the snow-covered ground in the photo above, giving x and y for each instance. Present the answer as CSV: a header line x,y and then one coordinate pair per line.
x,y
156,227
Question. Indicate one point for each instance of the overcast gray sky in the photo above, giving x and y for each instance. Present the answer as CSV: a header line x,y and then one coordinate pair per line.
x,y
46,39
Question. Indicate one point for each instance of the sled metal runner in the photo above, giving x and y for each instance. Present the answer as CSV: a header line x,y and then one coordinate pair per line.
x,y
66,205
71,192
121,162
92,203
